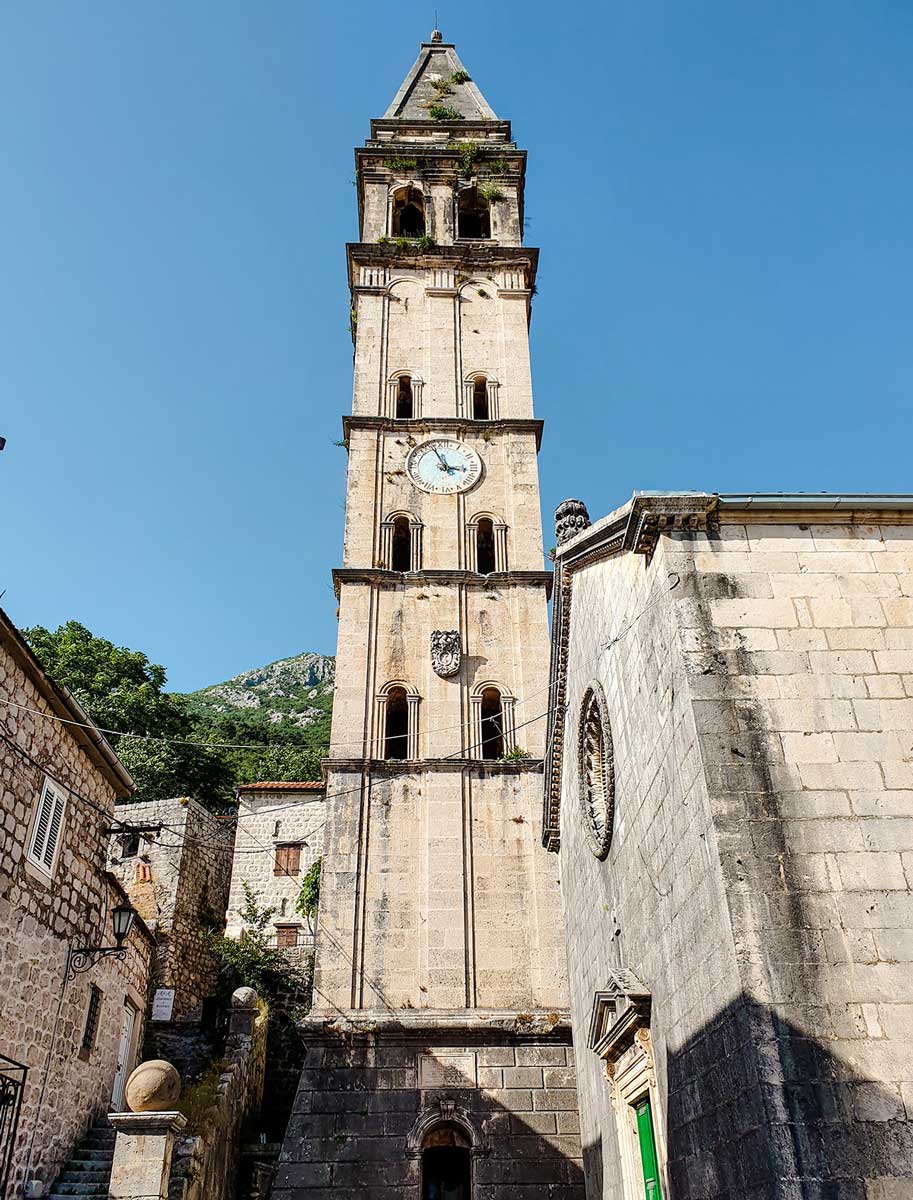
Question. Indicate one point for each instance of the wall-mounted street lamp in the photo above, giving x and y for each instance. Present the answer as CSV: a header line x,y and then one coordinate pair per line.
x,y
83,958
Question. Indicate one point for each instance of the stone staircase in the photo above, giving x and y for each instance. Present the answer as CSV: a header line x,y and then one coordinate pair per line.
x,y
88,1171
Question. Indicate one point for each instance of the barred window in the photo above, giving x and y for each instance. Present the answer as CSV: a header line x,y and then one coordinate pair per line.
x,y
93,1013
597,772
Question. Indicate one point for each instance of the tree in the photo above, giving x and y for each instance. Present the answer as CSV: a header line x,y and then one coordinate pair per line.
x,y
122,690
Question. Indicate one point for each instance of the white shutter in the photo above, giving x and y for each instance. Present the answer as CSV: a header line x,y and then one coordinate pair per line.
x,y
48,827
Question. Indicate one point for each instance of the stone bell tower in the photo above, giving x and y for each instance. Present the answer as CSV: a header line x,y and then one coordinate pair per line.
x,y
438,1052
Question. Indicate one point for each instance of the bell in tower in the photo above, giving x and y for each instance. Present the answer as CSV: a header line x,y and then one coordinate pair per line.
x,y
438,1061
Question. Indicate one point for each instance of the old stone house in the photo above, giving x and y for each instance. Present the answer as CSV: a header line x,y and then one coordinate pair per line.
x,y
279,838
73,1023
730,788
175,862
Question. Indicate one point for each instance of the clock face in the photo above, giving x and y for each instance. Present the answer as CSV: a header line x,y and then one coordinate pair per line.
x,y
444,465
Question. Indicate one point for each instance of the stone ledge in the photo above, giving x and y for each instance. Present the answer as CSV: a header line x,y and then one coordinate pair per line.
x,y
411,766
429,1024
465,425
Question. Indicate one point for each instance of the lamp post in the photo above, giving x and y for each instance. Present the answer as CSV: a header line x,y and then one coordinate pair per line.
x,y
83,958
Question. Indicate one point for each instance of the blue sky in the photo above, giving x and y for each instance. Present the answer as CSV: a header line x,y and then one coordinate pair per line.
x,y
721,192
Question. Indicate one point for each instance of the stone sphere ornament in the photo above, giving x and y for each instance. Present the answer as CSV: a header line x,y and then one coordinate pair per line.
x,y
154,1086
244,997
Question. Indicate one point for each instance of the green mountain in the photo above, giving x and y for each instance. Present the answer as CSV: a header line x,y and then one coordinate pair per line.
x,y
285,707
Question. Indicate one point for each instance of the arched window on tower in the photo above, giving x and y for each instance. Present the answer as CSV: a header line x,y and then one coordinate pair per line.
x,y
492,738
480,410
401,542
446,1165
404,397
396,722
408,213
401,548
473,215
396,729
485,546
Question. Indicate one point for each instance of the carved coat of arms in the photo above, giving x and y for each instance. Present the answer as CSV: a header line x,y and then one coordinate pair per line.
x,y
446,651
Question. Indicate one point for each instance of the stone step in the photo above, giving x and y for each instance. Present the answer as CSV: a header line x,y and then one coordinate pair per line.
x,y
76,1174
90,1157
79,1189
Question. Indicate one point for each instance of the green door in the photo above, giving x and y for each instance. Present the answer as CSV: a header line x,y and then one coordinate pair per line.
x,y
648,1157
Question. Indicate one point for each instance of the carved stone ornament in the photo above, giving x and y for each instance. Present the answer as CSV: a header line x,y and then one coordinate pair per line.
x,y
571,517
446,651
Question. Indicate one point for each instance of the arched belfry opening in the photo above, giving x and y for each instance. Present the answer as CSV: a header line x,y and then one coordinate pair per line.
x,y
396,730
401,551
485,546
473,215
492,724
408,213
480,406
446,1164
404,398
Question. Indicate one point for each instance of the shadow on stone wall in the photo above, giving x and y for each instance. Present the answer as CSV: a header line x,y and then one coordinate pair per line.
x,y
757,1109
357,1108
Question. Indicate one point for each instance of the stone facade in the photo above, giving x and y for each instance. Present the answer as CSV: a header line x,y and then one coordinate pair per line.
x,y
177,876
439,937
271,817
45,912
742,955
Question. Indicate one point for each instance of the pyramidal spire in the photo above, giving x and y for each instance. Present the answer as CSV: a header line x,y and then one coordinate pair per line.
x,y
438,82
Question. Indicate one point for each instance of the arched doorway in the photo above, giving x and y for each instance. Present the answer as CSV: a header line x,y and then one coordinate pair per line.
x,y
446,1164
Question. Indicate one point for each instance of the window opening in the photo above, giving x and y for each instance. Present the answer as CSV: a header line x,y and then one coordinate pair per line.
x,y
93,1013
404,406
129,845
480,400
473,216
485,546
446,1165
397,724
492,724
286,936
408,213
288,860
401,554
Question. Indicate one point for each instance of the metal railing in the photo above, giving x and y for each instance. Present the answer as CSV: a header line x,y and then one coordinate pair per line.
x,y
12,1085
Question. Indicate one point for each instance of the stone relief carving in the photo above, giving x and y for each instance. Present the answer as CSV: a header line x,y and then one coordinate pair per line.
x,y
571,517
446,651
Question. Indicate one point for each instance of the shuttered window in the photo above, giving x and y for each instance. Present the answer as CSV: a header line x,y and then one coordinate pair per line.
x,y
286,936
48,828
288,860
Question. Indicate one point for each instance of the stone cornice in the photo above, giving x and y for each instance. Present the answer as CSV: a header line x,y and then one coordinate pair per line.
x,y
383,767
402,127
384,578
634,528
465,425
470,254
469,1027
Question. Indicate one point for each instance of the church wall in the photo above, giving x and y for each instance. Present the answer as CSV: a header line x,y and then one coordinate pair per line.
x,y
656,904
799,647
759,880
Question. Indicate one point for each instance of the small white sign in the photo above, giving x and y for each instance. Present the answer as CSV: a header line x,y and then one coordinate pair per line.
x,y
162,1004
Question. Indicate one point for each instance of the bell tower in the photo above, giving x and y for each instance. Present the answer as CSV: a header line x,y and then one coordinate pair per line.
x,y
438,1049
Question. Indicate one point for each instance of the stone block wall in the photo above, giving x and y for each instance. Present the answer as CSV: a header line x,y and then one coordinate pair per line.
x,y
206,1159
363,1102
42,1017
757,678
178,879
798,643
267,819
